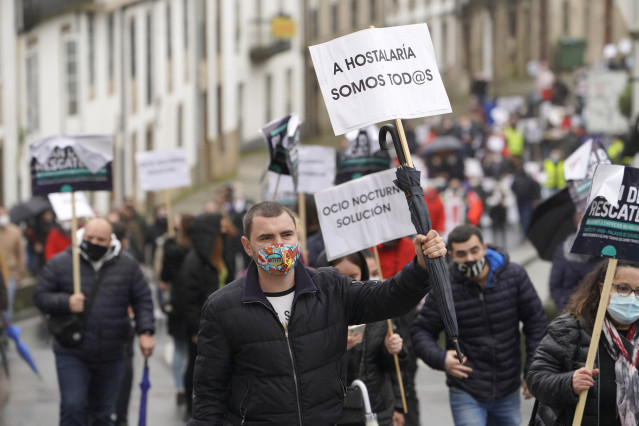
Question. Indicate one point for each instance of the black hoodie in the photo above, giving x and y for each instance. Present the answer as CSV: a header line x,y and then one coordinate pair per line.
x,y
198,275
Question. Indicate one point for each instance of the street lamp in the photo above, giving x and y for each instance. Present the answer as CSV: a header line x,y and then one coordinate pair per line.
x,y
630,13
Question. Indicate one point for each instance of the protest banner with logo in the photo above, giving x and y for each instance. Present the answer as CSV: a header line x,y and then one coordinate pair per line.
x,y
61,203
362,213
316,170
379,74
579,168
282,138
71,163
362,156
610,224
162,169
609,228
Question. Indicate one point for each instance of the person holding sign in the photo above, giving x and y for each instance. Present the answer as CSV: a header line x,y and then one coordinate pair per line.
x,y
492,297
271,343
557,374
89,374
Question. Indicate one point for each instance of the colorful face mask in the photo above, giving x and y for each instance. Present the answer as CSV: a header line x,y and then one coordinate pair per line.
x,y
278,259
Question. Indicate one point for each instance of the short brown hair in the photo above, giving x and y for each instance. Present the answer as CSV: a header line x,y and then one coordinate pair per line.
x,y
264,209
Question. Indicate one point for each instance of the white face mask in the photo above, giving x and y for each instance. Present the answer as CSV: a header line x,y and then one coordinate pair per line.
x,y
374,278
4,220
66,226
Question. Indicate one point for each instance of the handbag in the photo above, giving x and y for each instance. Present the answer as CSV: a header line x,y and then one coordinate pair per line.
x,y
68,329
353,410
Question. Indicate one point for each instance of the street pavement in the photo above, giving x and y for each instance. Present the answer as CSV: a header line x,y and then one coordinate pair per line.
x,y
34,401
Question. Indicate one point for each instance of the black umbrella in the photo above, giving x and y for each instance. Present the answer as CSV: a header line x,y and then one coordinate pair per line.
x,y
408,181
442,143
552,221
29,209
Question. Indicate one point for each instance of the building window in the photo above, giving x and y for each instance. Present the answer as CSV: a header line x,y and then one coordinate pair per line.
x,y
268,97
218,26
111,51
91,43
149,58
71,62
353,14
289,90
185,24
314,24
169,52
180,126
334,18
33,112
566,17
238,26
220,119
240,114
132,49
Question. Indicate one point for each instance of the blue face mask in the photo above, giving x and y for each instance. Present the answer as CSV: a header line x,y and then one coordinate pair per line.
x,y
624,309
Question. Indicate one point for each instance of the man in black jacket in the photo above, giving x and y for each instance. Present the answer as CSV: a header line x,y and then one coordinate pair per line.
x,y
89,375
492,296
271,343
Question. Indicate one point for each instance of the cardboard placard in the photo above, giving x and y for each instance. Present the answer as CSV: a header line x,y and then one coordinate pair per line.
x,y
379,74
362,213
159,170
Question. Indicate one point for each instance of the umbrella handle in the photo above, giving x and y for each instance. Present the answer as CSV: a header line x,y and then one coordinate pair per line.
x,y
392,130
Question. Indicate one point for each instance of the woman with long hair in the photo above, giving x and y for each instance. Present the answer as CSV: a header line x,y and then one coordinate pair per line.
x,y
557,374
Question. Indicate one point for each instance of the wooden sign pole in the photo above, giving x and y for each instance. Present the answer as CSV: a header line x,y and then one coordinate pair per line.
x,y
596,334
75,253
390,332
169,215
301,211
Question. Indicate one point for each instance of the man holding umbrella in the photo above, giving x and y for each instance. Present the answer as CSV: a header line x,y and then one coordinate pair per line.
x,y
271,344
89,374
492,296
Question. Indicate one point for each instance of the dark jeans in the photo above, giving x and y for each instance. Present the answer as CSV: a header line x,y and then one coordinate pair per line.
x,y
88,390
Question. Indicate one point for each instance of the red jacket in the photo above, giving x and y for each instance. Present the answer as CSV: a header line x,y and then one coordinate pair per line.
x,y
56,243
393,259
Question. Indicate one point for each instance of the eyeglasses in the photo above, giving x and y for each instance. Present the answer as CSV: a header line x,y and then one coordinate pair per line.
x,y
625,289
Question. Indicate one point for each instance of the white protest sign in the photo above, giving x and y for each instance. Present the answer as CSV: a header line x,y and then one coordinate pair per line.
x,y
604,90
379,74
162,169
316,170
61,203
284,186
362,213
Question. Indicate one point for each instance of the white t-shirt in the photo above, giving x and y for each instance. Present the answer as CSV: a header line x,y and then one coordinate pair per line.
x,y
282,303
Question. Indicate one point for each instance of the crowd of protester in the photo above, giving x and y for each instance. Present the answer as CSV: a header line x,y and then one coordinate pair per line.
x,y
485,170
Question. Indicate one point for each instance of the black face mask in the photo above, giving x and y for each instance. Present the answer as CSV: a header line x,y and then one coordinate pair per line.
x,y
93,251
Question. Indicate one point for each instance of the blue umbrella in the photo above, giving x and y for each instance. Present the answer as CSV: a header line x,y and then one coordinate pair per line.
x,y
13,331
145,385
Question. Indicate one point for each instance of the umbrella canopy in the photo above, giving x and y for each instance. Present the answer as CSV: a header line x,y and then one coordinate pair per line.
x,y
408,181
442,143
145,385
13,331
29,209
552,222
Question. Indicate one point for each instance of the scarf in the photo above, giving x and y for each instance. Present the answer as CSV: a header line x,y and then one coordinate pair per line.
x,y
625,352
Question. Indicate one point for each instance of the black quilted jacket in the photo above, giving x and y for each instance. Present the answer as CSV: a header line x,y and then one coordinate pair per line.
x,y
249,368
563,350
489,333
108,327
